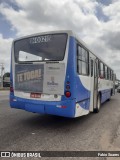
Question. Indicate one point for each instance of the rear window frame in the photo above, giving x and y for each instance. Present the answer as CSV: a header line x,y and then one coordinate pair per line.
x,y
21,62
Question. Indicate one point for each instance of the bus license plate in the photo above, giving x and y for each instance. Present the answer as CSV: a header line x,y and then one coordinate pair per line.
x,y
35,95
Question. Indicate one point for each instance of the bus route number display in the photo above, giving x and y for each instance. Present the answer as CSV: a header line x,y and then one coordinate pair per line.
x,y
40,39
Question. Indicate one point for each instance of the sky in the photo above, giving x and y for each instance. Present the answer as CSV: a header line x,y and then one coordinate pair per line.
x,y
96,22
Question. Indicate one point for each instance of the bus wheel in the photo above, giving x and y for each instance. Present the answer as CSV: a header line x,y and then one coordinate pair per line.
x,y
109,99
110,96
97,109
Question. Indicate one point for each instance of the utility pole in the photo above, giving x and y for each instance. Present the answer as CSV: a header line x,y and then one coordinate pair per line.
x,y
2,72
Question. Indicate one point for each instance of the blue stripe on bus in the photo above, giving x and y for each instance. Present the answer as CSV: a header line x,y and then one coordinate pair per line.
x,y
71,70
82,94
44,107
78,91
105,94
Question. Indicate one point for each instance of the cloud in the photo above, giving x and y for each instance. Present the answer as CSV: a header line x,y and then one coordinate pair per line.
x,y
112,39
96,23
113,10
5,52
49,15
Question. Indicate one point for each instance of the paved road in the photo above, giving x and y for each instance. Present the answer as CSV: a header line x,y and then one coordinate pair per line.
x,y
21,130
4,95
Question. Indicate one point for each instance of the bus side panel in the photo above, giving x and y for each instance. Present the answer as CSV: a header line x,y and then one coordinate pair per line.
x,y
82,93
64,108
71,69
105,89
82,97
79,91
105,95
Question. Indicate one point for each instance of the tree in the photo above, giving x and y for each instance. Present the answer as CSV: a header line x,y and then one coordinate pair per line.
x,y
7,74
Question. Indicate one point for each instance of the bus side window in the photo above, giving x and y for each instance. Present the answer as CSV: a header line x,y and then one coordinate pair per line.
x,y
82,61
101,70
106,72
91,68
98,68
95,70
79,58
111,75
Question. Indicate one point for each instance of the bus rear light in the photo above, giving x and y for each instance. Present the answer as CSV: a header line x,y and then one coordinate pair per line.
x,y
67,94
67,87
11,89
67,82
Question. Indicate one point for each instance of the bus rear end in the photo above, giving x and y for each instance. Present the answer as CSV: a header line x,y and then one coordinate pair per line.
x,y
40,78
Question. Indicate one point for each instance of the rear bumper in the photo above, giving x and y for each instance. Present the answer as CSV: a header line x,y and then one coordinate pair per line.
x,y
61,108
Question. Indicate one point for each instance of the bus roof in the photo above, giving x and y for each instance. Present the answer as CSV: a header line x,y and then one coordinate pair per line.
x,y
69,32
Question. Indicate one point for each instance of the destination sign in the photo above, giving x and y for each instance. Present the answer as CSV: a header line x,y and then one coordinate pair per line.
x,y
40,39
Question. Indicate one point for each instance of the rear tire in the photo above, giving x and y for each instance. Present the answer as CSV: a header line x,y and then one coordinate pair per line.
x,y
97,109
110,96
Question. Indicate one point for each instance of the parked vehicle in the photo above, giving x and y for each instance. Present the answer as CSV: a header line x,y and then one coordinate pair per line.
x,y
6,80
118,89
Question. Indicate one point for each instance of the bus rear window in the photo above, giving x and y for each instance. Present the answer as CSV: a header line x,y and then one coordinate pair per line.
x,y
41,48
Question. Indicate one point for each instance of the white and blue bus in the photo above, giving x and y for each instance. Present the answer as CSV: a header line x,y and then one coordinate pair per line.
x,y
56,73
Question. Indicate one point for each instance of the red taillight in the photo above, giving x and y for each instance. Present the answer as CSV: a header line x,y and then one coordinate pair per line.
x,y
11,89
67,94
